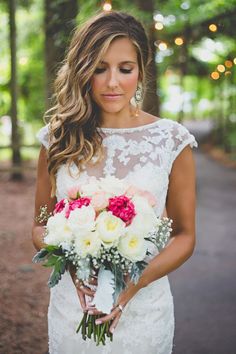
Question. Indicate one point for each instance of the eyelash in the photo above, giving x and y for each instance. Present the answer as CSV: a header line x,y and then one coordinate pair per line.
x,y
124,71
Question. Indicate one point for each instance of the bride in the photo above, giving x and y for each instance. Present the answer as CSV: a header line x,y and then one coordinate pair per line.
x,y
97,128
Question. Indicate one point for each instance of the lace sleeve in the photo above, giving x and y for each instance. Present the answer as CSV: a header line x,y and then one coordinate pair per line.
x,y
43,136
181,138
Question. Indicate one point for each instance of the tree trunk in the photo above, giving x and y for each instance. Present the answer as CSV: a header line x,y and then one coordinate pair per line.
x,y
60,19
15,136
151,102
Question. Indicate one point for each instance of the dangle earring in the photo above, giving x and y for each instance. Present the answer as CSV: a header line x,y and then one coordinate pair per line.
x,y
138,98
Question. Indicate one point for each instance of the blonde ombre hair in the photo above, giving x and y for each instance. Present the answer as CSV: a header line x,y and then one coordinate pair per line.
x,y
74,119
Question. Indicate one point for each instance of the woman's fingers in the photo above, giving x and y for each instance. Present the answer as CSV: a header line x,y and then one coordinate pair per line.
x,y
109,317
86,290
82,299
93,280
115,322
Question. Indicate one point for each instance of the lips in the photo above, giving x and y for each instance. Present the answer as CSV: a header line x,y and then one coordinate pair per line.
x,y
111,96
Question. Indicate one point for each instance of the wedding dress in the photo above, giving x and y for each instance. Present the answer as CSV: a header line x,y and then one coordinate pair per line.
x,y
144,157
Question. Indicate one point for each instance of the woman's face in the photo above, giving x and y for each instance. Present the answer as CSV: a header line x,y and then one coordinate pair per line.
x,y
116,78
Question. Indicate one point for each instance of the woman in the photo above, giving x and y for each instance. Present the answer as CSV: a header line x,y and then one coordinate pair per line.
x,y
95,130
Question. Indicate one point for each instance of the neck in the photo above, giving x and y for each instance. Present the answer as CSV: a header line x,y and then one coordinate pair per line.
x,y
122,119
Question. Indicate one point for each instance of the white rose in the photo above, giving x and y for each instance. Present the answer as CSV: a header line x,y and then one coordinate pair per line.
x,y
145,219
113,186
58,231
87,244
133,245
90,188
109,228
82,220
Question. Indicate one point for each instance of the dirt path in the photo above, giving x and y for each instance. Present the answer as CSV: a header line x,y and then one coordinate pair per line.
x,y
23,294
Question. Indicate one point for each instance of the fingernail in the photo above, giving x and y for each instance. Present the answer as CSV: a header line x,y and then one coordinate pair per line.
x,y
90,312
112,330
98,322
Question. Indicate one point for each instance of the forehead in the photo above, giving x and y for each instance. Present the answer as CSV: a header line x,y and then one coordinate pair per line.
x,y
121,49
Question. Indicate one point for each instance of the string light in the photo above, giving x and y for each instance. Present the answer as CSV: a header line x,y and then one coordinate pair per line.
x,y
227,73
213,27
228,64
179,41
107,6
235,61
221,68
159,26
215,75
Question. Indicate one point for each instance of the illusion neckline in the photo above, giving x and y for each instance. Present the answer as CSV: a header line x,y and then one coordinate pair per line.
x,y
131,129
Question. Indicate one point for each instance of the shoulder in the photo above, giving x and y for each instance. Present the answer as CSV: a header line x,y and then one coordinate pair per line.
x,y
43,136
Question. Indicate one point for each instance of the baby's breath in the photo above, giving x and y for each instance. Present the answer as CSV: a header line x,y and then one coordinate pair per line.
x,y
44,215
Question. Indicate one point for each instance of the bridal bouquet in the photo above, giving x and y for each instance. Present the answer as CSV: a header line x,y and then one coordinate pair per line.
x,y
103,227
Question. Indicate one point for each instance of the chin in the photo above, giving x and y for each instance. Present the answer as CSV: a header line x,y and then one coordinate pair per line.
x,y
111,109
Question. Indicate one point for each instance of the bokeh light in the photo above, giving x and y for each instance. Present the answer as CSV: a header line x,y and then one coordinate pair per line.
x,y
159,26
107,6
212,27
162,46
179,41
228,64
221,68
215,75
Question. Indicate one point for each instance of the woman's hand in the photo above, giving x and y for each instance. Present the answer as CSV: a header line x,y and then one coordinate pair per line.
x,y
82,289
125,296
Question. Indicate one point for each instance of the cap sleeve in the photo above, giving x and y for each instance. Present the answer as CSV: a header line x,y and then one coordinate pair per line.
x,y
43,136
181,137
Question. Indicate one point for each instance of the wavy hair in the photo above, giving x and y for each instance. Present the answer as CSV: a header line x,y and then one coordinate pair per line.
x,y
74,137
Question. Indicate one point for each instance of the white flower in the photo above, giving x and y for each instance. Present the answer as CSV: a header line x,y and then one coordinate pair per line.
x,y
82,220
87,244
133,245
58,231
145,220
113,186
90,188
109,228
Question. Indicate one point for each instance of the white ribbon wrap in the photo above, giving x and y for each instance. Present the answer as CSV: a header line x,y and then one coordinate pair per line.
x,y
103,298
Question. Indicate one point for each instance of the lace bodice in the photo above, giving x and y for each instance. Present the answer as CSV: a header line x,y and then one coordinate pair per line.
x,y
142,155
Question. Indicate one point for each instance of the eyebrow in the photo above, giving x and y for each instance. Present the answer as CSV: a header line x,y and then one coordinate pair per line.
x,y
122,62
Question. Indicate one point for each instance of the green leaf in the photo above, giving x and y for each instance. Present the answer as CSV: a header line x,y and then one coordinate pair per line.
x,y
58,271
40,256
51,260
51,248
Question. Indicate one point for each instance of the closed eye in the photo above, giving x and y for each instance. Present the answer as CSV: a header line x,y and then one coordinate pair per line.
x,y
101,70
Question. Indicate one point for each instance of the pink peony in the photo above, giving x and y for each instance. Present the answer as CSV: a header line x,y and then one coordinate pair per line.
x,y
73,193
123,208
78,203
132,191
59,206
150,197
99,201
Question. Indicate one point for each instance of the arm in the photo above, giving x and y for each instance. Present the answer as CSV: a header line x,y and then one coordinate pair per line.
x,y
42,197
180,207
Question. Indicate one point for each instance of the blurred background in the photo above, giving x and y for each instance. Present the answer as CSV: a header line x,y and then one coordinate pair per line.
x,y
193,81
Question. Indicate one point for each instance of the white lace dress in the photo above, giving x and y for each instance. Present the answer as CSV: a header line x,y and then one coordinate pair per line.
x,y
143,156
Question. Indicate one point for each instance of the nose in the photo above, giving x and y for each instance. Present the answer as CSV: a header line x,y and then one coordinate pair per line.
x,y
112,81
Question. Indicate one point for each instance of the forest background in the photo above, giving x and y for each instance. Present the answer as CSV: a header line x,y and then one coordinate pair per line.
x,y
194,51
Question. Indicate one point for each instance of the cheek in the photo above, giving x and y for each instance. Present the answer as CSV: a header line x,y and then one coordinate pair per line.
x,y
131,82
96,84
